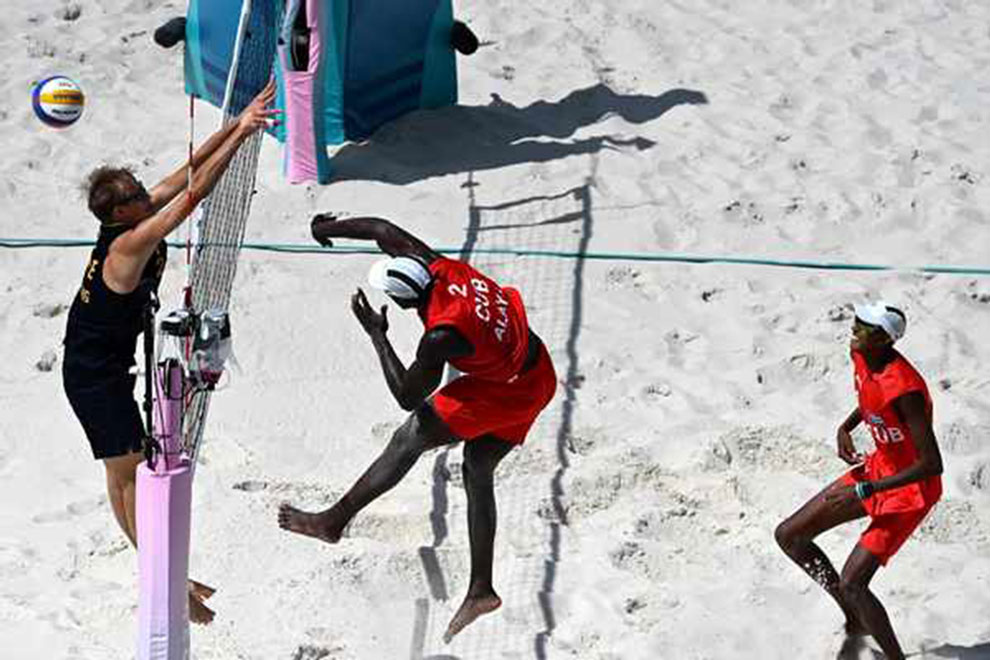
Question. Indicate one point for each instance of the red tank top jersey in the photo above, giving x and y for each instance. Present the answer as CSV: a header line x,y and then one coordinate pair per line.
x,y
491,317
895,449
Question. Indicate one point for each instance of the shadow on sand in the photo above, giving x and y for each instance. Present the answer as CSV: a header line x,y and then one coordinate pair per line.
x,y
474,138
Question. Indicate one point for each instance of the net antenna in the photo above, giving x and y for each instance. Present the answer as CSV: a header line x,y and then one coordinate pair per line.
x,y
197,337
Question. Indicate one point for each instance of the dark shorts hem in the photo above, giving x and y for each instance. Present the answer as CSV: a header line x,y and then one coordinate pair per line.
x,y
110,417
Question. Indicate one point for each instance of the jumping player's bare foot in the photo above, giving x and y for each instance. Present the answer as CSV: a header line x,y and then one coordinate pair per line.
x,y
471,609
318,525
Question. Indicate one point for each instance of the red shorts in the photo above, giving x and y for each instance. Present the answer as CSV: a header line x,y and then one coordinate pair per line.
x,y
473,407
887,531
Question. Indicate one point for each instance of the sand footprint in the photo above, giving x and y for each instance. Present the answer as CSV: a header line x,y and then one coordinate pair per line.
x,y
956,521
314,652
251,485
72,510
979,477
16,558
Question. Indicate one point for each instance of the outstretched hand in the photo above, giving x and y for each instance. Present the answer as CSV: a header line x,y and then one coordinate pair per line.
x,y
257,114
372,322
318,226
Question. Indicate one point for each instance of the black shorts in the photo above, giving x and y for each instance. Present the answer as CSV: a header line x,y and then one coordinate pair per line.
x,y
108,413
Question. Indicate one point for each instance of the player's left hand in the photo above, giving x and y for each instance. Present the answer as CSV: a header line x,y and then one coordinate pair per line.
x,y
257,115
371,321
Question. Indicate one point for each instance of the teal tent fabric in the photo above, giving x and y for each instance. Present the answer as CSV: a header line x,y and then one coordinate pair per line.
x,y
377,60
211,30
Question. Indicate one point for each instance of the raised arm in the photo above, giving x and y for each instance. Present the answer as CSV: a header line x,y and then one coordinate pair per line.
x,y
167,189
145,236
393,240
129,253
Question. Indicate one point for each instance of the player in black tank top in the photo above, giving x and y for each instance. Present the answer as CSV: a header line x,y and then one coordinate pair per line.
x,y
103,325
124,269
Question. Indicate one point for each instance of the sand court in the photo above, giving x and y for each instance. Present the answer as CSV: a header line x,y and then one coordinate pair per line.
x,y
696,404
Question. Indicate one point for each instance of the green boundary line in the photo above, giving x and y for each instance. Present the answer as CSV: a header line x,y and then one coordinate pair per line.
x,y
299,248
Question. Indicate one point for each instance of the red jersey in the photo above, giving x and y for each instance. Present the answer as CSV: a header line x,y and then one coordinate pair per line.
x,y
895,449
491,317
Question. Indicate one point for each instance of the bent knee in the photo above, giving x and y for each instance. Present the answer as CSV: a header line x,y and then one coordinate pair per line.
x,y
784,535
405,439
420,432
788,535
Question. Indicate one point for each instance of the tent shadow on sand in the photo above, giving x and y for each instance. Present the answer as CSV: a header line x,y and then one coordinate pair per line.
x,y
473,138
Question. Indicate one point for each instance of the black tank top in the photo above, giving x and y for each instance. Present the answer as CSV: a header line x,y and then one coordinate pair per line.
x,y
103,326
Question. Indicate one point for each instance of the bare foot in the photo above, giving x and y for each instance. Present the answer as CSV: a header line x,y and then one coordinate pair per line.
x,y
198,612
471,609
317,525
200,591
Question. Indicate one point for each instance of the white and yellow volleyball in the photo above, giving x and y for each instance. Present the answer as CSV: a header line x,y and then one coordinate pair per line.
x,y
58,101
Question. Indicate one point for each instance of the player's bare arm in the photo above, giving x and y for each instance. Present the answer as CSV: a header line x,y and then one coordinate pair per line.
x,y
911,409
130,252
393,240
168,188
410,386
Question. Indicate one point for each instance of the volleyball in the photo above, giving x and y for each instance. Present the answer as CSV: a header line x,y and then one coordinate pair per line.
x,y
58,101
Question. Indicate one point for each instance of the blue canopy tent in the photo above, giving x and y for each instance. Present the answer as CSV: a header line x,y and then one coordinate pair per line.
x,y
344,67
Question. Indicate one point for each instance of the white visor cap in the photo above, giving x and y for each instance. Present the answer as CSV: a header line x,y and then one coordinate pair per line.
x,y
891,319
402,278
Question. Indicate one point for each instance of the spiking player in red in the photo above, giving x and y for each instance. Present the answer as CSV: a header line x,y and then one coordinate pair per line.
x,y
896,485
478,327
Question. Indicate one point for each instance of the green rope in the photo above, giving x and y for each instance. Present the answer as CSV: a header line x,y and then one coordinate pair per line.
x,y
299,248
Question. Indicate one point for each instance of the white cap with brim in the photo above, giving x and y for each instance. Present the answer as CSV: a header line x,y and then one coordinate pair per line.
x,y
402,278
891,319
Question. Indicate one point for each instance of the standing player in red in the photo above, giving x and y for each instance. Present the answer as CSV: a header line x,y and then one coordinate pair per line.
x,y
479,328
896,485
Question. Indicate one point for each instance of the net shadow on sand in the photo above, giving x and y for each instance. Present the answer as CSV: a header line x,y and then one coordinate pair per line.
x,y
530,483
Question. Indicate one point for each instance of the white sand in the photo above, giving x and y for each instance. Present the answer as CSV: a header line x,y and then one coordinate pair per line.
x,y
703,398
